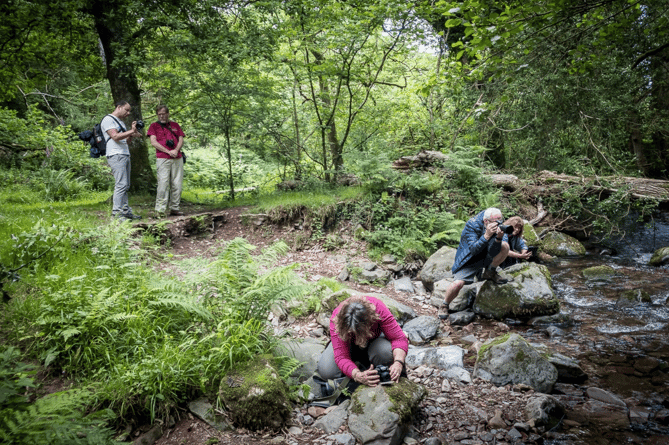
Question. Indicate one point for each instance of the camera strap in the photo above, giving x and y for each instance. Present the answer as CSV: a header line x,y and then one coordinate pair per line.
x,y
169,128
121,128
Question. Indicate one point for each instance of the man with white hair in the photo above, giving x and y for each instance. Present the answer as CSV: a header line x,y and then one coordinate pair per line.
x,y
480,251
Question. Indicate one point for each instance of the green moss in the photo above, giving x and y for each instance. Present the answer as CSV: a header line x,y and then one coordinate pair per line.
x,y
489,344
599,272
267,407
356,405
402,397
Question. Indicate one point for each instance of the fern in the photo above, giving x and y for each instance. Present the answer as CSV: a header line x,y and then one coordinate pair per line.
x,y
54,420
187,304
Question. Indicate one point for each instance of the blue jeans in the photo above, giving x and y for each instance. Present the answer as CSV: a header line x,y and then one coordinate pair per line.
x,y
120,167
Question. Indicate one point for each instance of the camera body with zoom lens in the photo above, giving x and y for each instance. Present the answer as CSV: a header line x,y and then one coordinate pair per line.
x,y
504,228
384,374
170,143
139,125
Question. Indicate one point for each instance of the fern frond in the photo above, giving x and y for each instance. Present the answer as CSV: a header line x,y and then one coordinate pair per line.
x,y
182,303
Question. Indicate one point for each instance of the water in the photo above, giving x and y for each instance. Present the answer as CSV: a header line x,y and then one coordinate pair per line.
x,y
609,339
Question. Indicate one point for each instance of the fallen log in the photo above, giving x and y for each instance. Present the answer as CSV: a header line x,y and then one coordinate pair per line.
x,y
638,188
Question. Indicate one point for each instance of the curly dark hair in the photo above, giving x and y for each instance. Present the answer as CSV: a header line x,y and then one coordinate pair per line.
x,y
355,318
516,222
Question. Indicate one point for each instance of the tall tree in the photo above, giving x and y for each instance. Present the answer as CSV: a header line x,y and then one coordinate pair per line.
x,y
579,35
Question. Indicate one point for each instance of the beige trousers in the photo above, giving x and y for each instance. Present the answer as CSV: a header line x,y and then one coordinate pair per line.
x,y
170,173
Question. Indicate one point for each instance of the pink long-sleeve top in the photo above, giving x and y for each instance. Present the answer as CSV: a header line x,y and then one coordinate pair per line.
x,y
386,324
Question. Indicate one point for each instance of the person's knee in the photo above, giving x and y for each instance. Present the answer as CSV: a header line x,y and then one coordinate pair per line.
x,y
380,352
456,286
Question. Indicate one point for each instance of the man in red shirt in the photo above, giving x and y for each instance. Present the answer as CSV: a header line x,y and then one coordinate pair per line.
x,y
167,138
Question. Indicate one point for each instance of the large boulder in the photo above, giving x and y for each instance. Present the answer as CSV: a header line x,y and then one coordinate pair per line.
x,y
305,350
422,329
463,300
529,294
383,415
510,359
256,397
437,267
560,244
660,257
448,359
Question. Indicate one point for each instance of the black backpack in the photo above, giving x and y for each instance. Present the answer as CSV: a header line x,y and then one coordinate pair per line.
x,y
97,139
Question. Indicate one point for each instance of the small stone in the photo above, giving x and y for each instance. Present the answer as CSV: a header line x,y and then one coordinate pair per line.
x,y
316,411
497,422
295,431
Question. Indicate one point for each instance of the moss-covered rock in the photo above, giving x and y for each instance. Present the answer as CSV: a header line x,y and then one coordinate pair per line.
x,y
660,257
510,359
255,396
560,245
633,297
383,414
529,295
599,273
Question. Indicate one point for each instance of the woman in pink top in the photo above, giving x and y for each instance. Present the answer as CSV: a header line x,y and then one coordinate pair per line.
x,y
363,332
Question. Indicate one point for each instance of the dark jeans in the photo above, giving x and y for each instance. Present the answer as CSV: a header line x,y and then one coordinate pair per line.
x,y
378,352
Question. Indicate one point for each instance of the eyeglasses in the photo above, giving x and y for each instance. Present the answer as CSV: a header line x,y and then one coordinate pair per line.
x,y
162,114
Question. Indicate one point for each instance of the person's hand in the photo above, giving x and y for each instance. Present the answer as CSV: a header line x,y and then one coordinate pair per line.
x,y
135,131
491,230
396,370
369,377
173,153
525,255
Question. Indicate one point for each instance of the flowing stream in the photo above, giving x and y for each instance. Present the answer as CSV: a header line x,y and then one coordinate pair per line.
x,y
623,348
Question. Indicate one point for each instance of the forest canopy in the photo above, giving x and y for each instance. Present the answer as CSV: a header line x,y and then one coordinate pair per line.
x,y
317,86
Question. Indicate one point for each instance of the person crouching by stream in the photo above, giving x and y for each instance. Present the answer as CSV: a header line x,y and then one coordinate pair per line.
x,y
482,248
518,249
364,334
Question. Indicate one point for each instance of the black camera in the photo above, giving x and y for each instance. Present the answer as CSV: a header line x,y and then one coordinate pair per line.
x,y
170,143
384,373
504,228
139,125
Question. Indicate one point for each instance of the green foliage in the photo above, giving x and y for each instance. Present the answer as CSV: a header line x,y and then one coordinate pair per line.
x,y
411,232
601,215
15,377
243,290
312,302
57,419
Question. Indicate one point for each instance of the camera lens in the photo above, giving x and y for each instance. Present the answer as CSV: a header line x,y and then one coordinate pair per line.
x,y
139,125
506,229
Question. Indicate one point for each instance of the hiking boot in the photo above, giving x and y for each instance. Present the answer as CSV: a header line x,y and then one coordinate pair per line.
x,y
158,215
130,216
443,312
492,275
176,213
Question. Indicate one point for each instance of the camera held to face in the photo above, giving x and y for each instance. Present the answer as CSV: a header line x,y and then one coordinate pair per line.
x,y
504,228
170,143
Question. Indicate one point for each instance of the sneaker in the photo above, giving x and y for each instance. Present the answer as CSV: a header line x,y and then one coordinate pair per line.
x,y
492,275
176,213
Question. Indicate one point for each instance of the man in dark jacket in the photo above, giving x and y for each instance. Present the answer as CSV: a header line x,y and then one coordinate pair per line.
x,y
482,248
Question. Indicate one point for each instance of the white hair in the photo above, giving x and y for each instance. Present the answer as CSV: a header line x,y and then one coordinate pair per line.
x,y
490,212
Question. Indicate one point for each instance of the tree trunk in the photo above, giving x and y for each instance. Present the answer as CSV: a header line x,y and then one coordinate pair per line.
x,y
124,86
660,104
